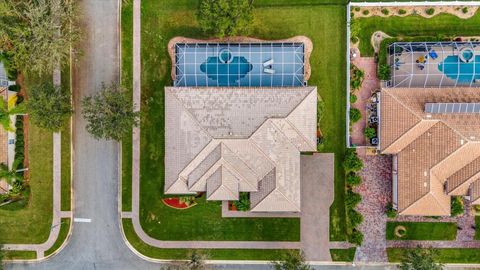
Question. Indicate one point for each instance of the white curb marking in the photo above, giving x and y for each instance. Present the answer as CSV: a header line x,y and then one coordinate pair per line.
x,y
85,220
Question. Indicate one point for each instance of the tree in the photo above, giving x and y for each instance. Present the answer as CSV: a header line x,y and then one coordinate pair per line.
x,y
13,175
292,261
225,17
109,113
38,33
5,114
49,106
420,259
243,204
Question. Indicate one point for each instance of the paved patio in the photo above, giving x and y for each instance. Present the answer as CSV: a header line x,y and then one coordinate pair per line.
x,y
369,85
376,190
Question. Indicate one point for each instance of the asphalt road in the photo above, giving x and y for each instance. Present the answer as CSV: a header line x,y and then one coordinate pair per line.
x,y
98,244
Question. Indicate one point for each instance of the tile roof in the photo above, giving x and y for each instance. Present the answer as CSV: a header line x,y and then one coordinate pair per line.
x,y
230,140
432,149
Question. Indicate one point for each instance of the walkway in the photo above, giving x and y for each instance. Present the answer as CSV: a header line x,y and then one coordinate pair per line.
x,y
376,193
57,213
369,85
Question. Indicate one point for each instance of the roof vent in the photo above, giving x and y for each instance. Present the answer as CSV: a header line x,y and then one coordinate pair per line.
x,y
472,137
425,173
424,184
429,116
461,141
413,150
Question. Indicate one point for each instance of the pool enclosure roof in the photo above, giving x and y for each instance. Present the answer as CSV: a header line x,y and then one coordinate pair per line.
x,y
434,64
268,64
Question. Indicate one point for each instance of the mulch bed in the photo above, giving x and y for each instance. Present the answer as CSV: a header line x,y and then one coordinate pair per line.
x,y
176,204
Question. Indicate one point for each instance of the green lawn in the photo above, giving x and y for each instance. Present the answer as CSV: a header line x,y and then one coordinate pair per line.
x,y
445,255
443,25
166,19
214,254
66,152
423,230
20,255
343,255
62,236
31,225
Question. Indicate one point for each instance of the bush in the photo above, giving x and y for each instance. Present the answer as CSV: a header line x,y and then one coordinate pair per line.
x,y
370,132
402,12
357,9
390,212
384,72
352,163
354,217
366,12
352,199
354,39
243,204
465,10
356,237
353,98
14,88
353,179
456,206
430,11
356,77
355,115
385,11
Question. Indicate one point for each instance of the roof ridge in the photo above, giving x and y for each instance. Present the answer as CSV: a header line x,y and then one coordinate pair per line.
x,y
410,129
230,168
301,102
228,148
298,132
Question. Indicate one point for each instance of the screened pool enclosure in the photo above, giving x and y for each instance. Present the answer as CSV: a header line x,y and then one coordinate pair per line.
x,y
434,64
239,64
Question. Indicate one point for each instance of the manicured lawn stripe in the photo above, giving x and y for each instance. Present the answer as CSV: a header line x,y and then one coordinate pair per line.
x,y
445,255
423,230
214,254
62,236
127,82
20,255
343,255
443,25
66,172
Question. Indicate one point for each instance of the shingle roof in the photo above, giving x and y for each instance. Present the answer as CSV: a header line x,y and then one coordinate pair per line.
x,y
229,140
432,148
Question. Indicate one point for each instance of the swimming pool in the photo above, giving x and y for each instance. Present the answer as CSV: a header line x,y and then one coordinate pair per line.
x,y
463,72
239,64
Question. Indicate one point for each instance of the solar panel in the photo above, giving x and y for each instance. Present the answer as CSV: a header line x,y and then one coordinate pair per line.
x,y
443,108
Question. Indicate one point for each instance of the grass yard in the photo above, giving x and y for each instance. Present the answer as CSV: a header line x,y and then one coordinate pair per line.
x,y
162,20
20,255
445,255
443,25
343,255
31,225
62,236
214,254
66,171
423,230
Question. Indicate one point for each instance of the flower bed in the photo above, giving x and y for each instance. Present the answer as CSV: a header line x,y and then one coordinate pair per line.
x,y
177,203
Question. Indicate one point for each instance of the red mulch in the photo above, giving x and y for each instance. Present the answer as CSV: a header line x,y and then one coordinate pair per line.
x,y
231,206
174,203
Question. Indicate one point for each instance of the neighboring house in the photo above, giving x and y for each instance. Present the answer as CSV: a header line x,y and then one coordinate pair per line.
x,y
237,120
432,128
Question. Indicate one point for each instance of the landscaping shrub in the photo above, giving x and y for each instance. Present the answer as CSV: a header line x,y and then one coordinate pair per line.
x,y
465,10
355,115
430,11
366,12
243,204
353,179
384,72
352,163
354,217
354,39
352,199
370,132
356,77
390,211
353,98
385,11
357,9
402,11
456,206
356,237
14,88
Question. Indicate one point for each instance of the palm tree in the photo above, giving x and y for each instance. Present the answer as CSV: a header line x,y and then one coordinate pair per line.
x,y
13,175
196,261
5,114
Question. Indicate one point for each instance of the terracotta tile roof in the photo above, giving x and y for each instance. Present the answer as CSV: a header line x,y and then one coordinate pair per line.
x,y
432,148
475,192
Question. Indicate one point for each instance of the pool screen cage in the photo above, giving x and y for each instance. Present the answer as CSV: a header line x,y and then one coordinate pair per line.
x,y
434,64
270,64
3,76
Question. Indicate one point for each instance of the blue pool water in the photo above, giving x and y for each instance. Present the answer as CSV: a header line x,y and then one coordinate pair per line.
x,y
239,64
464,73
